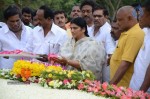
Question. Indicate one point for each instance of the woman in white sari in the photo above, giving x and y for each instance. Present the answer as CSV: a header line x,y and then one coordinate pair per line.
x,y
82,52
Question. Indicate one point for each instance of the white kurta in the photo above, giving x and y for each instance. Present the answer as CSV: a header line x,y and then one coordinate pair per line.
x,y
141,63
9,42
88,52
50,43
104,36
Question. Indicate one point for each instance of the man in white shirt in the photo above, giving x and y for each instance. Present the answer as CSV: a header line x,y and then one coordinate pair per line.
x,y
14,35
76,12
2,24
27,16
47,37
101,32
141,76
60,19
87,7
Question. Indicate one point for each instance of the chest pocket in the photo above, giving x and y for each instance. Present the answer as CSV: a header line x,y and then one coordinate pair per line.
x,y
117,53
120,47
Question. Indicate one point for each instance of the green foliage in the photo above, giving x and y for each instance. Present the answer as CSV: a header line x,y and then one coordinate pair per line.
x,y
65,5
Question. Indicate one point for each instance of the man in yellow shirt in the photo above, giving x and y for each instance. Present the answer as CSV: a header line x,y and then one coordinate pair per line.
x,y
130,41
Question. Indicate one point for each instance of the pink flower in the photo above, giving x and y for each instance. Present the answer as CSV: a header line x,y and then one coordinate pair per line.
x,y
112,93
102,93
52,56
105,85
147,95
95,90
114,87
88,81
119,93
129,92
65,81
125,97
90,89
81,86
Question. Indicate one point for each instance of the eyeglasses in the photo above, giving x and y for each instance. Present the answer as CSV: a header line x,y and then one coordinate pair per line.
x,y
138,12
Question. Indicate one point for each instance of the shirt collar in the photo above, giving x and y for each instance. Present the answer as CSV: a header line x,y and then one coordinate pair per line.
x,y
105,25
53,29
135,26
7,30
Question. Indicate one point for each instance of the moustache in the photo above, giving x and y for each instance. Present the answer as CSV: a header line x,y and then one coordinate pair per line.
x,y
86,16
60,22
75,14
95,21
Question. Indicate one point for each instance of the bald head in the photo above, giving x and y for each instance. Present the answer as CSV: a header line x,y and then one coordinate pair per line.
x,y
127,11
126,17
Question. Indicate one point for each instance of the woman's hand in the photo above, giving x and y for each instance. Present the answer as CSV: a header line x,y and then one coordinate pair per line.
x,y
43,58
61,60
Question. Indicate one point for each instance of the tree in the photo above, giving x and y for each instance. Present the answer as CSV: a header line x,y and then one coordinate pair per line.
x,y
113,5
66,5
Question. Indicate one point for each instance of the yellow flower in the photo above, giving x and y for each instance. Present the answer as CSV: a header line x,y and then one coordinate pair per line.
x,y
60,73
54,68
64,72
35,67
24,79
51,83
88,75
50,75
69,75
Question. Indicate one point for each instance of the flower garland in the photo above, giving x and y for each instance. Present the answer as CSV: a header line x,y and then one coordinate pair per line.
x,y
24,69
56,77
64,79
112,91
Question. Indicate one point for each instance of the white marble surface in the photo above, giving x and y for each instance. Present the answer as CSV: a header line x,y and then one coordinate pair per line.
x,y
35,91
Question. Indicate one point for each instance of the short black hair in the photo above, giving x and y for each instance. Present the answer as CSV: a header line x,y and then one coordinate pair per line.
x,y
146,5
34,14
76,5
11,10
27,10
105,11
60,12
47,12
88,2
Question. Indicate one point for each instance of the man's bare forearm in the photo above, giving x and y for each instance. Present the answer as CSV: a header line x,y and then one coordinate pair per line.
x,y
120,72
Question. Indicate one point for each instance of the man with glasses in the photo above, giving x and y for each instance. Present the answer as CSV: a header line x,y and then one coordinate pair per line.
x,y
141,76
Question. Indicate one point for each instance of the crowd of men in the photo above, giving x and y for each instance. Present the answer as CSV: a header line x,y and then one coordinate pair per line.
x,y
126,39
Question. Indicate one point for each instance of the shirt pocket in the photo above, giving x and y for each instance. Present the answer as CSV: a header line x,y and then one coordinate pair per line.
x,y
54,47
117,54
